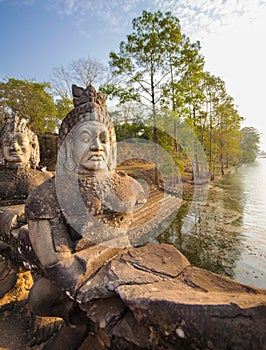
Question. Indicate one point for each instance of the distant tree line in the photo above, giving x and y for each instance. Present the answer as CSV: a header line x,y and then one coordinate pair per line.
x,y
157,78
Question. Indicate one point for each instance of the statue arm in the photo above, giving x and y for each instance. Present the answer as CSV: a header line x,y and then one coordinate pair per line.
x,y
65,272
74,269
40,233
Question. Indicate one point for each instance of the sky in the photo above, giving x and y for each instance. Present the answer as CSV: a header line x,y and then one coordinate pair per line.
x,y
39,35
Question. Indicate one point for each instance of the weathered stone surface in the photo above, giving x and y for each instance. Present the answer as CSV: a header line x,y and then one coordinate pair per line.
x,y
10,218
110,277
19,175
93,258
174,305
147,265
8,276
17,183
129,337
162,259
107,312
205,281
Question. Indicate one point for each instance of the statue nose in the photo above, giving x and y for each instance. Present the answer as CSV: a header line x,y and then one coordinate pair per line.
x,y
96,145
14,146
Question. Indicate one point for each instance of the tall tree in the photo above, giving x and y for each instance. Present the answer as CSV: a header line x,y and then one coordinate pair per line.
x,y
250,141
30,100
186,64
140,60
212,88
151,55
227,129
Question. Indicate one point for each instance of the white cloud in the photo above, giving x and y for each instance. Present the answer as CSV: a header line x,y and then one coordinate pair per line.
x,y
201,17
112,13
198,17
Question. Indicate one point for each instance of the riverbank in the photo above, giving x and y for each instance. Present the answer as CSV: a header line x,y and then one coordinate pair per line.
x,y
225,233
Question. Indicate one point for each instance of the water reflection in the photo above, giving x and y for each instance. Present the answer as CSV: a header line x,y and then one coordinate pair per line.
x,y
226,235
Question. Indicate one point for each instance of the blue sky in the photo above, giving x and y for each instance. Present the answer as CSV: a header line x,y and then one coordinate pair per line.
x,y
39,35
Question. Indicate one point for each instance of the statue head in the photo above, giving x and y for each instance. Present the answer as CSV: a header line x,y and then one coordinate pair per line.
x,y
19,144
87,142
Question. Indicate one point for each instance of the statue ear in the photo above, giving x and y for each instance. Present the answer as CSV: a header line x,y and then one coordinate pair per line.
x,y
35,151
70,163
69,142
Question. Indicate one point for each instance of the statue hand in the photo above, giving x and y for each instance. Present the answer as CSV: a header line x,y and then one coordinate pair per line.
x,y
66,274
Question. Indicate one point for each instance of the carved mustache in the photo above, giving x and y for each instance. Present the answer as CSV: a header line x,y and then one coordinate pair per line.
x,y
96,155
15,152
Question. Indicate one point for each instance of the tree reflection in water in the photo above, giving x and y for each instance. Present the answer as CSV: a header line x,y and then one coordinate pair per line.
x,y
213,240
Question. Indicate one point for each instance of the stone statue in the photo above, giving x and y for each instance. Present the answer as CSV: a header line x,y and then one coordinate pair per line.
x,y
78,219
20,171
19,144
109,294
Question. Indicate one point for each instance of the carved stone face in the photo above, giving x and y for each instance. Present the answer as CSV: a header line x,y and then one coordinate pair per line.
x,y
16,148
90,143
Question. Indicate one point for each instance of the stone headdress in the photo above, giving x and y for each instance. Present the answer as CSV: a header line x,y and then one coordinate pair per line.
x,y
88,106
15,124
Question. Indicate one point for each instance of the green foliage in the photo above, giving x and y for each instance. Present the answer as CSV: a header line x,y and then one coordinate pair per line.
x,y
63,106
158,64
219,127
129,131
124,95
30,100
250,140
140,61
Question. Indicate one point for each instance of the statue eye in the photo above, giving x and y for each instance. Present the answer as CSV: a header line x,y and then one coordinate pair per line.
x,y
104,137
22,142
84,137
104,140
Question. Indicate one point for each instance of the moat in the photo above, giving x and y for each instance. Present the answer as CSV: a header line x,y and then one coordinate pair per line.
x,y
226,234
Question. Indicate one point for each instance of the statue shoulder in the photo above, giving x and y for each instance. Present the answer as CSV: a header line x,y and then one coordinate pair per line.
x,y
122,178
37,177
42,201
128,188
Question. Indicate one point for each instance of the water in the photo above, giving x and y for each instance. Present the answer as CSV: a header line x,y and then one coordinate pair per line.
x,y
223,227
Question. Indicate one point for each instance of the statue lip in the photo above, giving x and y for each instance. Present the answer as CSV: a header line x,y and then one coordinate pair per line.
x,y
14,153
96,157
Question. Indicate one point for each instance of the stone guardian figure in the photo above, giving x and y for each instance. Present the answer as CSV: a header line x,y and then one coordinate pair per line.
x,y
19,171
78,219
108,293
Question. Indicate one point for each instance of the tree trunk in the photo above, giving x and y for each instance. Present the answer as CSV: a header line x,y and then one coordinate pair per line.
x,y
155,138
